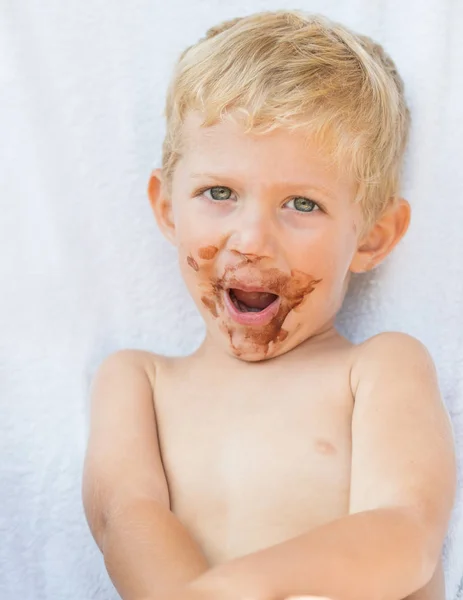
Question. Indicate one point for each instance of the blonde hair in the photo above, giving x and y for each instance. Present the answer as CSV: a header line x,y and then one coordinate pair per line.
x,y
293,69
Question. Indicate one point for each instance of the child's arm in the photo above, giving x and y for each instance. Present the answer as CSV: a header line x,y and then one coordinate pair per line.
x,y
125,493
402,492
434,589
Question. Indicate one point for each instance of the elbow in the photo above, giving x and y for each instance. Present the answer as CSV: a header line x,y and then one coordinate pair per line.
x,y
94,513
431,560
428,566
427,547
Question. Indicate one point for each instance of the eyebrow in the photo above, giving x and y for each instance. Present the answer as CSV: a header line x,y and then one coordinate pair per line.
x,y
288,184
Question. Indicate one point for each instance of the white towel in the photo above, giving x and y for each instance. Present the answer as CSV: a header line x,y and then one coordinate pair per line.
x,y
84,271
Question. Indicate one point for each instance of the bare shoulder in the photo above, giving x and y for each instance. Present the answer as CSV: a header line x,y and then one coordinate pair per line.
x,y
122,365
131,357
394,341
389,353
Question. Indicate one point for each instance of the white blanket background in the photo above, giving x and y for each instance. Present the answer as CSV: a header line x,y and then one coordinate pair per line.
x,y
84,272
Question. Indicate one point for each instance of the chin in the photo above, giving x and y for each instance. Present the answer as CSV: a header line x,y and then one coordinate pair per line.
x,y
250,356
240,346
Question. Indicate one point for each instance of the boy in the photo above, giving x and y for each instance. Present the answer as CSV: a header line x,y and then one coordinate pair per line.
x,y
279,459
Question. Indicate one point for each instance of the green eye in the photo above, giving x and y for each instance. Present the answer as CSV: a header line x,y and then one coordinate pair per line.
x,y
219,192
303,204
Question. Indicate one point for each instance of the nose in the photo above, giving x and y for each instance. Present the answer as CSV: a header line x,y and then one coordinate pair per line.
x,y
254,233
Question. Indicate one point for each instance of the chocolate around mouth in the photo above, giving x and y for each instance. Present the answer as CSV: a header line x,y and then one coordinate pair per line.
x,y
290,290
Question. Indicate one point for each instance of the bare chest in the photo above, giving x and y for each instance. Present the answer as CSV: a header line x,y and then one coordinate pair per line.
x,y
248,468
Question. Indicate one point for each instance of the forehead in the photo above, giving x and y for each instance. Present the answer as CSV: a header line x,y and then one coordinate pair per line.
x,y
280,154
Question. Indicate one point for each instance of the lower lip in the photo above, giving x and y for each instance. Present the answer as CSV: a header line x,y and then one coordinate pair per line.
x,y
258,319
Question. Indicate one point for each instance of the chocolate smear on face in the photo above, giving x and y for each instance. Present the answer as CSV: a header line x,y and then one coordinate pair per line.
x,y
282,335
247,258
210,305
208,252
193,264
292,290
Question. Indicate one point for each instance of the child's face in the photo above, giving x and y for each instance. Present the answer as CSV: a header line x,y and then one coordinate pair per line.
x,y
266,232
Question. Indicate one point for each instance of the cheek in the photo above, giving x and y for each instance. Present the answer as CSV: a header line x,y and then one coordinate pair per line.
x,y
197,253
188,234
336,267
190,265
328,256
193,223
198,239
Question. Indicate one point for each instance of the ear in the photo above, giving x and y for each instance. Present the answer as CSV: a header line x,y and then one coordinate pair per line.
x,y
382,238
161,205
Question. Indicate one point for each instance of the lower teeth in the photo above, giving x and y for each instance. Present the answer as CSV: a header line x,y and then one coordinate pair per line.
x,y
245,308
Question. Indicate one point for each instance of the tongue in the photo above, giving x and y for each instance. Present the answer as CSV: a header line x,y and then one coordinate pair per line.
x,y
255,299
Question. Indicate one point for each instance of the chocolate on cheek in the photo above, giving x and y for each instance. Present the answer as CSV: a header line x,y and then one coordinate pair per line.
x,y
208,252
193,264
210,305
205,253
208,300
282,335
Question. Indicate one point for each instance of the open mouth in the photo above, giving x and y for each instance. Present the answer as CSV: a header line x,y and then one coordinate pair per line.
x,y
254,302
251,308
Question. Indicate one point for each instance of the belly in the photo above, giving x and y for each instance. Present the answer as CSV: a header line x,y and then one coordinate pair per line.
x,y
257,484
